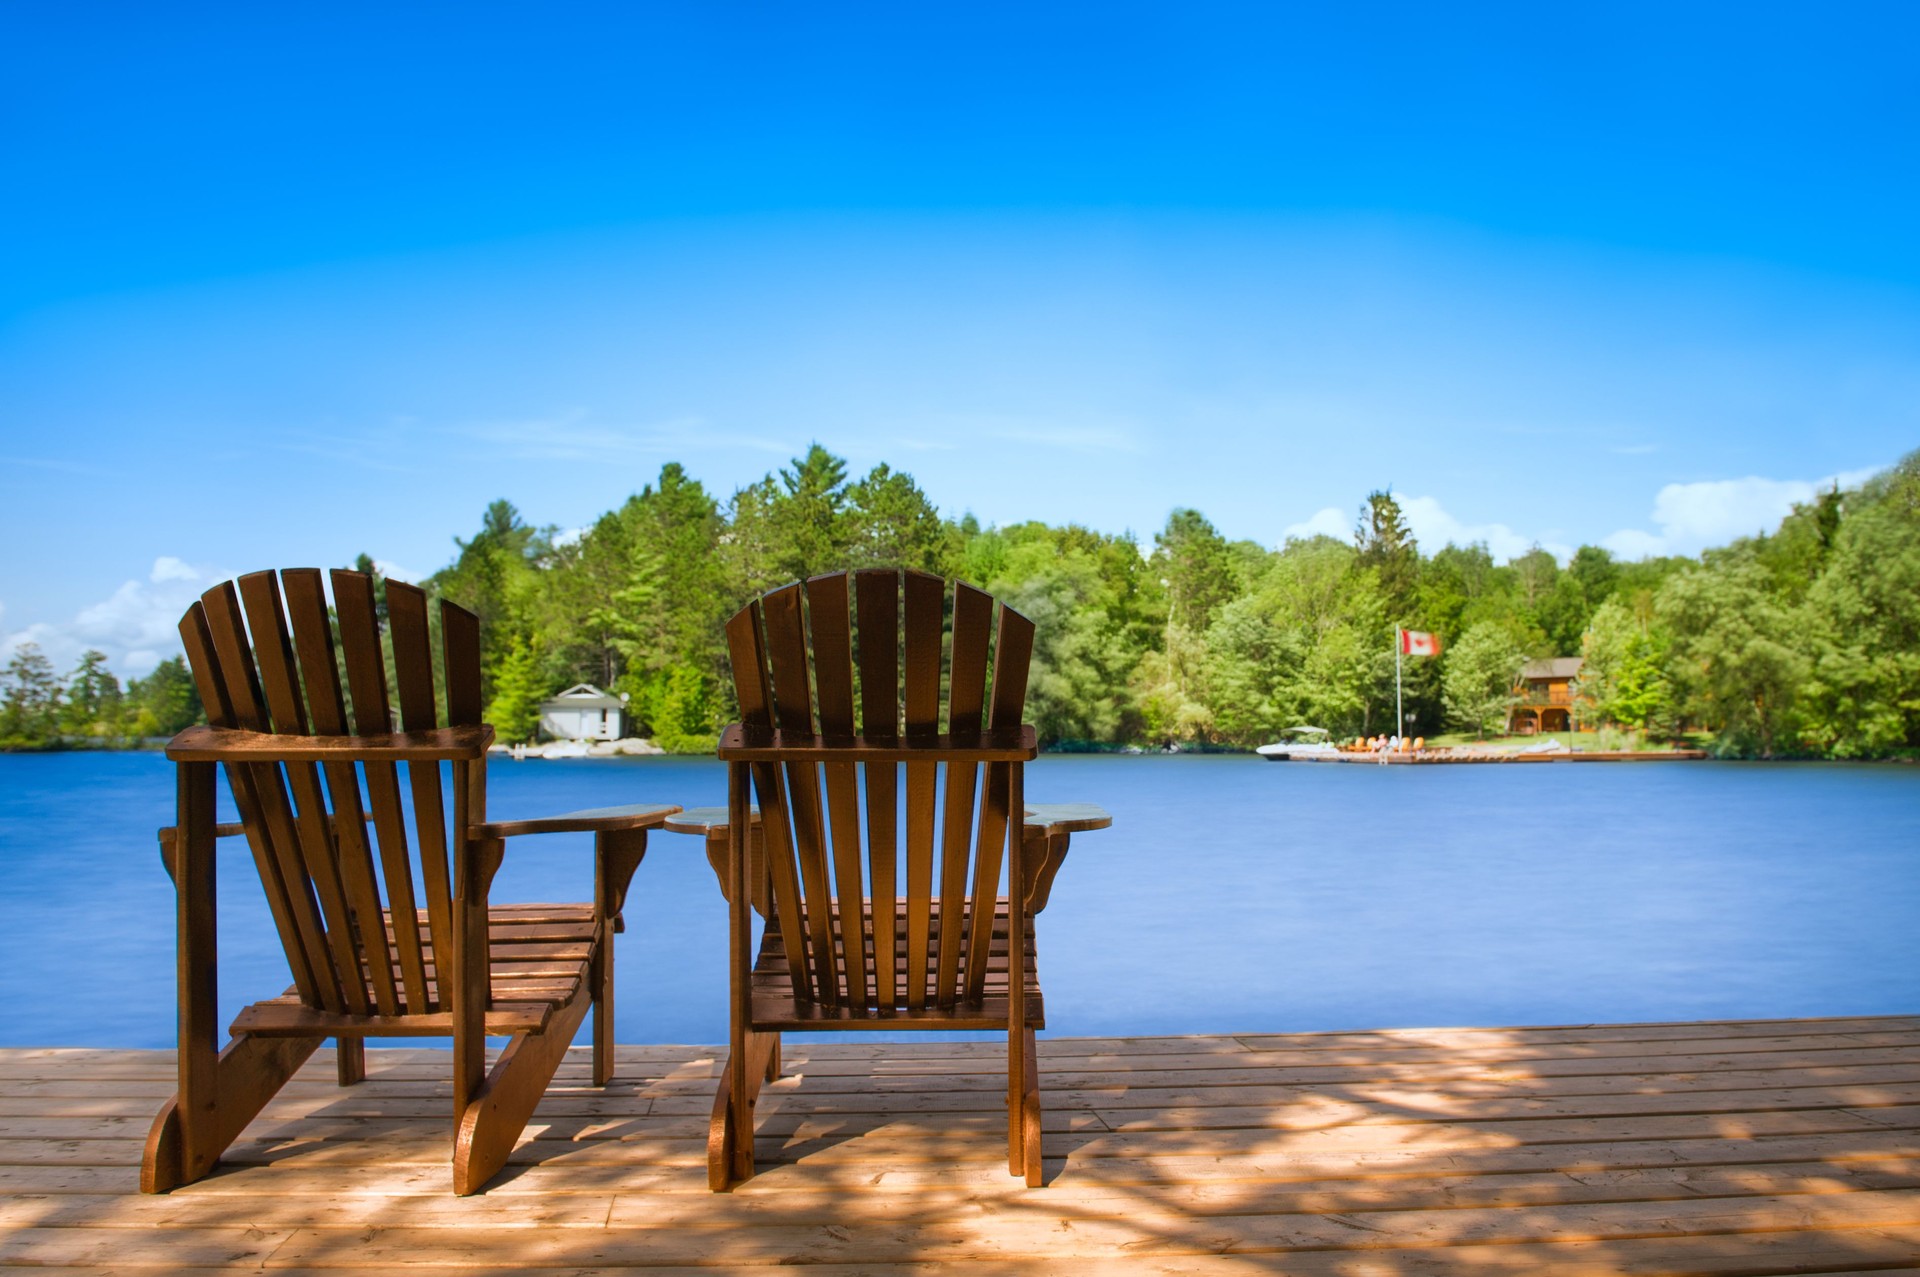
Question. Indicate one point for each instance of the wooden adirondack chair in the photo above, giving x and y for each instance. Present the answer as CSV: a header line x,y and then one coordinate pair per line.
x,y
297,751
852,945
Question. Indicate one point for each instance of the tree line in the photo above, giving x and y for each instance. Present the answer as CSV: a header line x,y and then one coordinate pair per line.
x,y
1801,641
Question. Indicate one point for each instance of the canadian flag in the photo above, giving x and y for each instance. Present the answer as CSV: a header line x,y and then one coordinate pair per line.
x,y
1416,643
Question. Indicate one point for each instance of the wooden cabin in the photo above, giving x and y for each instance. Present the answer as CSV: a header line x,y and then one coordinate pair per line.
x,y
584,712
1543,696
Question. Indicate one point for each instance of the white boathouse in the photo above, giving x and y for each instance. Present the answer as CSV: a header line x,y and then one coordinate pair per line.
x,y
584,712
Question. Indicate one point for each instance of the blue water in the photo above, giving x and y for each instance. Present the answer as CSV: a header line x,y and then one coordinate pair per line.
x,y
1231,895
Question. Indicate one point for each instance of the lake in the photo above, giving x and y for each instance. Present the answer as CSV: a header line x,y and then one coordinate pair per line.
x,y
1232,895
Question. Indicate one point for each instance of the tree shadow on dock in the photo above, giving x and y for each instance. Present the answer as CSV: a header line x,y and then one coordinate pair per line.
x,y
1726,1148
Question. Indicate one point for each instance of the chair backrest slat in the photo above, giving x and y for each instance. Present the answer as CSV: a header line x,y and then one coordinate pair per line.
x,y
196,636
746,648
280,680
354,606
925,598
877,603
1012,654
265,658
832,642
413,679
233,662
794,656
793,712
327,708
966,696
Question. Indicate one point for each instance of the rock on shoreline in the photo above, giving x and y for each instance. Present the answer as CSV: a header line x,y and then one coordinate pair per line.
x,y
630,747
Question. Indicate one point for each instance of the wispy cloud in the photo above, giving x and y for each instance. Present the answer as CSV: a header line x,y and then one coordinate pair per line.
x,y
54,464
1692,516
135,625
1069,438
574,436
1329,522
380,450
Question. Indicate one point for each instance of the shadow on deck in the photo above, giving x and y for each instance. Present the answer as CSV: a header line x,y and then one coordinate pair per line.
x,y
1726,1148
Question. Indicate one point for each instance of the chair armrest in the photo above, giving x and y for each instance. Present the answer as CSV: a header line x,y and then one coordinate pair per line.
x,y
595,820
1067,818
702,821
235,745
739,744
1052,826
170,834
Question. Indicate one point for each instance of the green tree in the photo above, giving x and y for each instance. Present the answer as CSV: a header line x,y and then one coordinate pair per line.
x,y
1196,567
1862,694
29,698
166,701
514,710
1624,672
1480,673
892,524
497,577
1387,546
811,534
1737,656
1077,685
94,699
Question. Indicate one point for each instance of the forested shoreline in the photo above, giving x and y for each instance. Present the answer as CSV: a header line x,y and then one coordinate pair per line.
x,y
1804,641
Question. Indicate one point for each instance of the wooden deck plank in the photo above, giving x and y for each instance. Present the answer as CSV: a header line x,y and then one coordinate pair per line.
x,y
1726,1148
629,1095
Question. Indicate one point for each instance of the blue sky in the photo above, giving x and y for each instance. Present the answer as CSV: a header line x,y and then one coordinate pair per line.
x,y
280,287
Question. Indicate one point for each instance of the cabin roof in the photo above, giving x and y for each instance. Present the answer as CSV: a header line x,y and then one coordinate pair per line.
x,y
1552,667
582,696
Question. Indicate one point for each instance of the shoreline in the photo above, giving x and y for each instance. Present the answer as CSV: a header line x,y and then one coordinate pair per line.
x,y
1543,756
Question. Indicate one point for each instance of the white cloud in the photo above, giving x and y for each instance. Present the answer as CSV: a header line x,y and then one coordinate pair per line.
x,y
1330,522
168,568
136,625
387,567
1693,516
1433,526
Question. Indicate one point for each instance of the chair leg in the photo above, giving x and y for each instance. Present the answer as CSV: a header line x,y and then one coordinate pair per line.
x,y
730,1128
492,1121
182,1146
350,1058
602,976
1030,1115
1023,1112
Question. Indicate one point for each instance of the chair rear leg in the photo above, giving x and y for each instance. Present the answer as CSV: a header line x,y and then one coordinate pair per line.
x,y
350,1058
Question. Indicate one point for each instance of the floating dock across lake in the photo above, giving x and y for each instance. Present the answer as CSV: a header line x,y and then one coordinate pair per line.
x,y
1457,755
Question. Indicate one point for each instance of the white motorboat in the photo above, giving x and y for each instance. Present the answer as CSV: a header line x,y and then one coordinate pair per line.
x,y
1299,741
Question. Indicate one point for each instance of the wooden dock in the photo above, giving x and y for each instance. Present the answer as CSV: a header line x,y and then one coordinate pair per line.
x,y
1723,1148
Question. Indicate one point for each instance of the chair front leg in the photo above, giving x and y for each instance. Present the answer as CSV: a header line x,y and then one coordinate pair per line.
x,y
616,855
471,994
220,1090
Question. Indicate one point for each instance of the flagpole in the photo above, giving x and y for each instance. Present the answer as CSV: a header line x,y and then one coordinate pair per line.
x,y
1399,717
